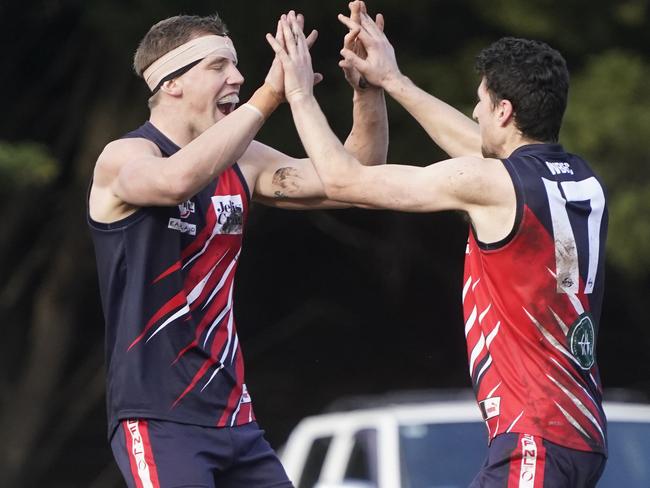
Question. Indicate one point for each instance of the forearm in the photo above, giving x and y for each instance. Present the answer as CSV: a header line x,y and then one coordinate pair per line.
x,y
216,149
333,163
368,139
451,130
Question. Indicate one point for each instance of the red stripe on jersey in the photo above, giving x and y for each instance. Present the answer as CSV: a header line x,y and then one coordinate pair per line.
x,y
140,454
207,364
174,267
176,302
531,380
215,308
235,394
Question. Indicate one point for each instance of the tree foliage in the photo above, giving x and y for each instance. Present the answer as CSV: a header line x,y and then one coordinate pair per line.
x,y
388,283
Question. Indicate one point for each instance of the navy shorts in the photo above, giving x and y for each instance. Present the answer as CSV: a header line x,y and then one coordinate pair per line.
x,y
526,461
155,453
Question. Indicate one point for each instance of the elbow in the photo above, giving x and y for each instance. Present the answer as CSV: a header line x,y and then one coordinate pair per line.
x,y
179,188
337,185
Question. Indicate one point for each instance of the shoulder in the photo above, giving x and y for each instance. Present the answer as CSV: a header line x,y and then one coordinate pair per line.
x,y
119,152
475,180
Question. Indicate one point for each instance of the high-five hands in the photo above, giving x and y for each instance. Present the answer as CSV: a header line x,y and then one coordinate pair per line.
x,y
352,43
292,50
379,64
275,76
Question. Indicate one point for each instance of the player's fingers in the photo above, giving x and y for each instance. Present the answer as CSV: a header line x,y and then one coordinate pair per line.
x,y
311,38
352,60
277,48
369,26
380,22
289,38
298,35
317,78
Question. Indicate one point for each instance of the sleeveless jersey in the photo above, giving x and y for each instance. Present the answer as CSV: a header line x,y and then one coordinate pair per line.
x,y
166,277
532,304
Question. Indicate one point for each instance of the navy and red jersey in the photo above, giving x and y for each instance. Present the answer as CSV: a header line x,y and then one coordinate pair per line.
x,y
166,277
532,304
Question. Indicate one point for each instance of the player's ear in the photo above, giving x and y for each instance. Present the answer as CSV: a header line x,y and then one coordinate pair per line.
x,y
173,87
505,112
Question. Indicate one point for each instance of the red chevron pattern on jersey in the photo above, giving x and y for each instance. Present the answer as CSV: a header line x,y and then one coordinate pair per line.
x,y
208,264
518,325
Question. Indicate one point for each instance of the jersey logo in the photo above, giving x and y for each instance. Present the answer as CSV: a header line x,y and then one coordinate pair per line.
x,y
186,208
182,227
230,214
582,341
490,407
560,167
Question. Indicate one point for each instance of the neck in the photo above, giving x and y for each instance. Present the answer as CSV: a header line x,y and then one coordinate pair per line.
x,y
513,142
174,124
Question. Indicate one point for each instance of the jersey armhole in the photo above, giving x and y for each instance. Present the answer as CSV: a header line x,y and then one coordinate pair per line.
x,y
519,212
242,180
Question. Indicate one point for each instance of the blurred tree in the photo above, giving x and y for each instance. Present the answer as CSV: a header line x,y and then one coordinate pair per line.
x,y
388,283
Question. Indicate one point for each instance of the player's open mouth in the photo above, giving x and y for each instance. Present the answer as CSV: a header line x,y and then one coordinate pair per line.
x,y
228,103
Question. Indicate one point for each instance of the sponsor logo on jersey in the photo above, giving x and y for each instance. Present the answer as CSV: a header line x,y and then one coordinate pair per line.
x,y
245,397
559,167
582,341
490,407
180,226
528,461
230,214
186,208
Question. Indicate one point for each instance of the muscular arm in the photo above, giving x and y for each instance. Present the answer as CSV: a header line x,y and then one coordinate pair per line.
x,y
451,130
368,139
454,132
481,187
143,178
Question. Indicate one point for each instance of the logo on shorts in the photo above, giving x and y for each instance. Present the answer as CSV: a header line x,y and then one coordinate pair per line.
x,y
528,461
582,341
230,214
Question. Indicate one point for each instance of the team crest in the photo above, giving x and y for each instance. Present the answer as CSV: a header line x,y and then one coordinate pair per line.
x,y
186,208
582,341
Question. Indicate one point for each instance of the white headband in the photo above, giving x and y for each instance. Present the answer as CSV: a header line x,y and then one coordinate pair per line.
x,y
185,54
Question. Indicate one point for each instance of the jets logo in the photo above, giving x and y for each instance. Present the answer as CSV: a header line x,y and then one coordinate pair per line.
x,y
582,341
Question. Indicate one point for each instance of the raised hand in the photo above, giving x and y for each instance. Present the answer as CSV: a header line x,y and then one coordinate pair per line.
x,y
275,76
292,50
379,64
352,43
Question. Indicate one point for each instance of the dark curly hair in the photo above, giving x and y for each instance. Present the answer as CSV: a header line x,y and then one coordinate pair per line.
x,y
534,78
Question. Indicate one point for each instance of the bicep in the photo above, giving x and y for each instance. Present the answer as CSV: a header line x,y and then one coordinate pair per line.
x,y
282,177
141,175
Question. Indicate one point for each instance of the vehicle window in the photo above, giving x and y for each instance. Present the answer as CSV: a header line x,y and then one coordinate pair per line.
x,y
314,462
629,451
442,455
362,465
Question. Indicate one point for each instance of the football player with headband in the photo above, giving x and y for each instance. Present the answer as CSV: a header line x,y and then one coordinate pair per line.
x,y
167,208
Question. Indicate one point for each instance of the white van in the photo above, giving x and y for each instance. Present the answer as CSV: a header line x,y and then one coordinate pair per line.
x,y
437,444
